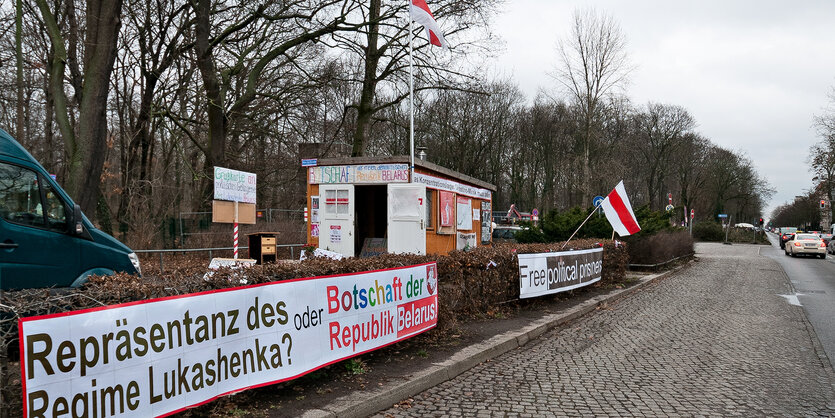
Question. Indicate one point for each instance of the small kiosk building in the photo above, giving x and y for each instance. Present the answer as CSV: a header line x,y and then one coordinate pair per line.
x,y
363,206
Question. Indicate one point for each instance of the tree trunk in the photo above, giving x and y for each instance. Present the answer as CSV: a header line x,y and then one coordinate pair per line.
x,y
18,34
217,116
85,150
369,82
103,23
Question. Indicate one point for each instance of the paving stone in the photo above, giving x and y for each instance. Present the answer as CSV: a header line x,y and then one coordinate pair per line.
x,y
714,339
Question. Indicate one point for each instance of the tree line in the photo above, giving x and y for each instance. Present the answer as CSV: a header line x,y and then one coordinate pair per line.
x,y
813,207
131,103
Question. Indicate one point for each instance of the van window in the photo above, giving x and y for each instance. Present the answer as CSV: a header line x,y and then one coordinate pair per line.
x,y
56,215
20,199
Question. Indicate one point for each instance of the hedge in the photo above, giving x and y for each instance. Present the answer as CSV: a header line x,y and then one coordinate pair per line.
x,y
471,284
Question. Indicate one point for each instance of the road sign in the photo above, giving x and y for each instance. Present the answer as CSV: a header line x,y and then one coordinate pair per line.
x,y
310,162
670,208
597,201
535,212
692,213
723,215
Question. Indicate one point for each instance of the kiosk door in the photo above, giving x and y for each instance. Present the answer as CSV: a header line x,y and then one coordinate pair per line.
x,y
337,230
406,224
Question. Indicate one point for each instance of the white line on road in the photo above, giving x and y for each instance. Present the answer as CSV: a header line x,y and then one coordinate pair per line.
x,y
792,299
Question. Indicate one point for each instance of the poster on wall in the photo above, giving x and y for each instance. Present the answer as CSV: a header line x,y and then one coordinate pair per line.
x,y
486,222
314,230
447,206
160,356
314,209
336,234
464,214
465,241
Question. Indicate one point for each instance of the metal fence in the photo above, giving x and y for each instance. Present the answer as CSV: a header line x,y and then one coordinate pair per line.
x,y
200,223
210,251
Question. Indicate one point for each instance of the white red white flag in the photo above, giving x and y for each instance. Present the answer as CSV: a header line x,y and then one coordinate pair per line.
x,y
619,213
420,13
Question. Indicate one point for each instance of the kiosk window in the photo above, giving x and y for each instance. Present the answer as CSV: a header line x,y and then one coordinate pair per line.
x,y
336,202
342,202
330,202
20,196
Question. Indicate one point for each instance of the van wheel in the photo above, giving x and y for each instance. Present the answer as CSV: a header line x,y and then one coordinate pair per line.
x,y
823,256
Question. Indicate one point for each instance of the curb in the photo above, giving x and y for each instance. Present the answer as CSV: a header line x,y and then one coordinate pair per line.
x,y
362,404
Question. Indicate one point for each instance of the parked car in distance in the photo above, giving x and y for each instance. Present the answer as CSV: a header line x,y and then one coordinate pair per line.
x,y
806,244
45,239
826,238
830,248
505,233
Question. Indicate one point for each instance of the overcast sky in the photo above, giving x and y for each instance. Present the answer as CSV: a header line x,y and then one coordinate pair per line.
x,y
752,73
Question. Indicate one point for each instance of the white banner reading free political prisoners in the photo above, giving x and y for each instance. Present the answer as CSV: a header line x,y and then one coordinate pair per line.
x,y
546,273
160,356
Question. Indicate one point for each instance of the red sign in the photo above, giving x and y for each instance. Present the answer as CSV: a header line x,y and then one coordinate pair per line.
x,y
447,205
692,213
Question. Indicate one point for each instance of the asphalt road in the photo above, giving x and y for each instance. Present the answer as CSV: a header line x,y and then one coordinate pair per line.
x,y
813,281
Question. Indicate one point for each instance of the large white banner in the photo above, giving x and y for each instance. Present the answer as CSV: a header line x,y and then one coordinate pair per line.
x,y
160,356
546,273
438,183
234,185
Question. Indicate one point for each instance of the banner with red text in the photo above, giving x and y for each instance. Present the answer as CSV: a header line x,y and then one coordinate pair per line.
x,y
160,356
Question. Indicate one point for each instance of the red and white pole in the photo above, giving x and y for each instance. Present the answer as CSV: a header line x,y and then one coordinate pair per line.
x,y
235,243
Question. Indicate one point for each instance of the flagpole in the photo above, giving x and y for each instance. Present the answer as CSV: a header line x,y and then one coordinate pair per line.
x,y
411,99
581,225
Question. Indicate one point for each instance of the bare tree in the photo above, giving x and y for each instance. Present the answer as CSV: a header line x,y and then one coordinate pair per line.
x,y
659,131
593,65
379,57
279,30
19,64
84,143
822,154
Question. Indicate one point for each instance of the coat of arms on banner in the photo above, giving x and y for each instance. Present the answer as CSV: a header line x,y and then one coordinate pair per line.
x,y
432,278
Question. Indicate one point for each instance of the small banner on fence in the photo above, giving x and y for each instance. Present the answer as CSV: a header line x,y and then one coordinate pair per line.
x,y
546,273
159,356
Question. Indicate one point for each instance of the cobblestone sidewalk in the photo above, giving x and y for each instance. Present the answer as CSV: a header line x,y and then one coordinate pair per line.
x,y
714,339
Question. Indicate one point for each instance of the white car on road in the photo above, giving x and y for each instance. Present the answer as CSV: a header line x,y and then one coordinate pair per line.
x,y
806,244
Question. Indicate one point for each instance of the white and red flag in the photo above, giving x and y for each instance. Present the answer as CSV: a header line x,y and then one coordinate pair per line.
x,y
420,13
619,212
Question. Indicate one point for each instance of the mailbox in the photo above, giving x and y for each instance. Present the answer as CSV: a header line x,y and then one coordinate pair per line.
x,y
262,247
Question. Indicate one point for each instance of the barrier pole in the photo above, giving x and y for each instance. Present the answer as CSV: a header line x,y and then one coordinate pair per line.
x,y
581,225
235,241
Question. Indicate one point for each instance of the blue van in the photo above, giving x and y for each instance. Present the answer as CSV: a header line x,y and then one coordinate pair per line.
x,y
45,240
